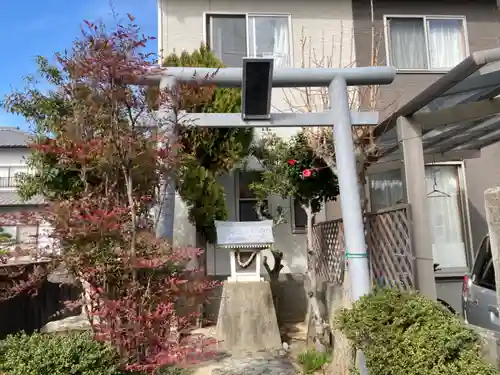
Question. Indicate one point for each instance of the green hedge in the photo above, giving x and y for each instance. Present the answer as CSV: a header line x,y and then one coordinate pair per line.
x,y
407,334
44,354
71,354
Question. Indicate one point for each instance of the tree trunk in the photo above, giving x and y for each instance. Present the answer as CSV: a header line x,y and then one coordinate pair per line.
x,y
274,274
314,318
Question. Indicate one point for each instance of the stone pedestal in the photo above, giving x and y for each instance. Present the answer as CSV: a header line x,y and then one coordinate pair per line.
x,y
247,319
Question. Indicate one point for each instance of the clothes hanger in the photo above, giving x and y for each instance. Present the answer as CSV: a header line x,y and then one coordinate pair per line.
x,y
436,193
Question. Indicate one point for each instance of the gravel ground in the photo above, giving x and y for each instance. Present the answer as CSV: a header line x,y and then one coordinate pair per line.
x,y
260,363
255,364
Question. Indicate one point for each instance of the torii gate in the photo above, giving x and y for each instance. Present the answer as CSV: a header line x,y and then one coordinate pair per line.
x,y
257,78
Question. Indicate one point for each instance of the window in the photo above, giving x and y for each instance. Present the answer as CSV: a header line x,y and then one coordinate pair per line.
x,y
299,217
28,234
445,209
426,43
246,198
386,189
20,234
482,257
487,277
446,215
8,175
232,37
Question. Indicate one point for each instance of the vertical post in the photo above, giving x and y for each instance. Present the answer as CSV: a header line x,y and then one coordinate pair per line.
x,y
492,207
410,141
168,115
350,201
232,259
257,266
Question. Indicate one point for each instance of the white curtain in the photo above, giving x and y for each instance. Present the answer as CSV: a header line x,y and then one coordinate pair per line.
x,y
386,189
228,39
446,43
448,243
269,37
407,43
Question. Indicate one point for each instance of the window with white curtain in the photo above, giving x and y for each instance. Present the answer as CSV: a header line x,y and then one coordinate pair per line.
x,y
445,209
386,189
426,43
232,37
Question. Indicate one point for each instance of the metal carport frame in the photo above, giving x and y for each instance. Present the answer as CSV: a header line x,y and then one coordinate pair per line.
x,y
452,119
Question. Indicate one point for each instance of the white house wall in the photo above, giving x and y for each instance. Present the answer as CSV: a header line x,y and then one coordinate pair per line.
x,y
327,28
13,157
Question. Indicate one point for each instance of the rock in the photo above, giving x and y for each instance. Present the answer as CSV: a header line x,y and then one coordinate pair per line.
x,y
61,276
73,323
490,345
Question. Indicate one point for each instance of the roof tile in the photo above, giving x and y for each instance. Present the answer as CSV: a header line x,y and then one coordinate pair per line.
x,y
13,137
11,198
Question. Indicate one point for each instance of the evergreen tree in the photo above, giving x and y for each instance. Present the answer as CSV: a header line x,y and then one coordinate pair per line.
x,y
208,153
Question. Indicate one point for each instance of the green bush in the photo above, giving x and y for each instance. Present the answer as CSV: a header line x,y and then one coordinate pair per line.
x,y
312,360
407,334
43,354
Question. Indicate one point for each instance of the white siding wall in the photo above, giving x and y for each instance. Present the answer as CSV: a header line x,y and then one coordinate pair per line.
x,y
328,27
13,157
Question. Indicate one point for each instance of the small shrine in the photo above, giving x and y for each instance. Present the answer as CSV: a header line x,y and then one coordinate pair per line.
x,y
245,240
247,318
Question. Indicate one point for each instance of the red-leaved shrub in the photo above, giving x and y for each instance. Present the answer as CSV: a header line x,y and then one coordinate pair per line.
x,y
104,182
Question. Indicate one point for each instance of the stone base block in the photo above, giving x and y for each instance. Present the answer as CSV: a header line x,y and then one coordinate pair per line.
x,y
247,318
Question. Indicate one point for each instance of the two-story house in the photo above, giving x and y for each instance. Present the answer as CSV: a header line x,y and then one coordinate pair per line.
x,y
294,33
13,153
423,40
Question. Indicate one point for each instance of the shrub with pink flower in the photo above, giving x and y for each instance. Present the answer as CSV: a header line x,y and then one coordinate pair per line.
x,y
293,170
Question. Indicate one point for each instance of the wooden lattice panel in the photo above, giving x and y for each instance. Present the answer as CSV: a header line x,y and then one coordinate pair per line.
x,y
389,247
329,246
389,242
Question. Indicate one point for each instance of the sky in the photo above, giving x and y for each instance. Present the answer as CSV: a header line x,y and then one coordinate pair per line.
x,y
44,27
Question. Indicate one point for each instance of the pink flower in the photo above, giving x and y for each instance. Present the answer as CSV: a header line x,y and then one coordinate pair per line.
x,y
292,162
306,173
